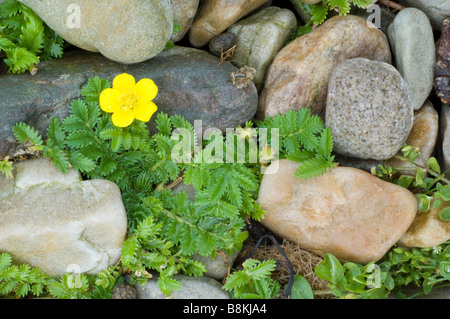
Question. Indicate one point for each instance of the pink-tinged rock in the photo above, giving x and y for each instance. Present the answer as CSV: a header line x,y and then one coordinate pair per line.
x,y
346,212
427,229
298,76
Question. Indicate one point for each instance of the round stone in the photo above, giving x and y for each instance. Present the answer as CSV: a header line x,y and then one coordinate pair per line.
x,y
368,109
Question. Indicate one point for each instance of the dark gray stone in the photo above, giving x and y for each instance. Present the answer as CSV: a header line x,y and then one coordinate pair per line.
x,y
191,83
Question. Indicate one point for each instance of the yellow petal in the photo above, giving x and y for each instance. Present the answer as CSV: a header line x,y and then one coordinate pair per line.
x,y
124,83
144,111
123,118
146,90
110,100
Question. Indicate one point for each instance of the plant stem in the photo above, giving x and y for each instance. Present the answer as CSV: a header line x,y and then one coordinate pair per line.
x,y
428,170
323,292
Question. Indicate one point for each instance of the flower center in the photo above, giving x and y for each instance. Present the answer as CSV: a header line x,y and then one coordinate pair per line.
x,y
128,100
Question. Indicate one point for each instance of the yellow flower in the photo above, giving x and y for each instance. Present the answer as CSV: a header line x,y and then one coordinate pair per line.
x,y
128,100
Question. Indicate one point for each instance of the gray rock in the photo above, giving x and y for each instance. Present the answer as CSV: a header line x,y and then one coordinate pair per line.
x,y
445,137
368,109
436,10
298,6
124,31
191,83
423,136
59,223
412,41
217,268
183,14
260,37
191,288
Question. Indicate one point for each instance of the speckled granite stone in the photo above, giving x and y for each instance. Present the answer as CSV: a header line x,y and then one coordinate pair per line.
x,y
368,109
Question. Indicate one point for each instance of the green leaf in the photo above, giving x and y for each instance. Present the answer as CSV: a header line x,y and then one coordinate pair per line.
x,y
23,132
325,146
445,214
445,193
342,6
419,177
433,164
19,59
444,269
330,269
319,13
405,181
424,202
301,288
312,168
81,162
93,88
55,134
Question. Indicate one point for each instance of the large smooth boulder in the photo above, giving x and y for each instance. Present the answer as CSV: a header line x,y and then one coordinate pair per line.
x,y
346,212
127,31
59,223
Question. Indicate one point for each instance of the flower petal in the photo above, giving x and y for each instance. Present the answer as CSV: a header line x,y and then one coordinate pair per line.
x,y
124,83
123,118
144,111
146,90
110,100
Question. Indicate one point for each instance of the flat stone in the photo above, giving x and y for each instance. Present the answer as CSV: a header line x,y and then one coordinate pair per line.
x,y
260,37
411,38
299,75
368,109
191,83
143,31
191,288
211,21
427,229
61,225
347,212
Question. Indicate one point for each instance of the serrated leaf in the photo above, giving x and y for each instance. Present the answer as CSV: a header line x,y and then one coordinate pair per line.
x,y
81,162
23,133
19,59
312,168
79,139
93,88
206,243
318,13
55,134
